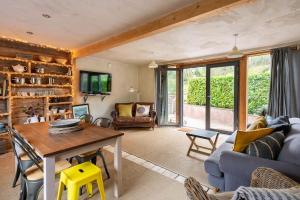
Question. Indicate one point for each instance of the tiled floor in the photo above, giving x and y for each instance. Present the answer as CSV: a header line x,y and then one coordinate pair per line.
x,y
150,165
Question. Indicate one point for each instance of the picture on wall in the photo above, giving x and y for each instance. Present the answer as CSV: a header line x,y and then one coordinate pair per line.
x,y
80,110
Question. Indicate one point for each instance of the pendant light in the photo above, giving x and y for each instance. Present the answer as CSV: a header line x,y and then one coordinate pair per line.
x,y
235,52
153,64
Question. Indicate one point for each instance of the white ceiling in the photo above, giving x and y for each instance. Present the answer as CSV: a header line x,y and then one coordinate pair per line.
x,y
260,23
75,23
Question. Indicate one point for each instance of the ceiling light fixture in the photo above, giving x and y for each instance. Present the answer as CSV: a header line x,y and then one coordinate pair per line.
x,y
235,52
29,33
46,16
153,64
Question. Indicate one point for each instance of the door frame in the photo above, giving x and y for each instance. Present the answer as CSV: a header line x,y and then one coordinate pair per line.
x,y
236,65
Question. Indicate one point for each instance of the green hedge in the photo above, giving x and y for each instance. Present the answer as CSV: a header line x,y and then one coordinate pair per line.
x,y
222,91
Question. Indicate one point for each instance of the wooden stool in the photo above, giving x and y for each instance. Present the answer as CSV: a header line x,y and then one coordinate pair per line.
x,y
202,134
80,175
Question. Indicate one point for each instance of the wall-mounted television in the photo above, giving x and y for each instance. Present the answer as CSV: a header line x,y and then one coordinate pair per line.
x,y
95,82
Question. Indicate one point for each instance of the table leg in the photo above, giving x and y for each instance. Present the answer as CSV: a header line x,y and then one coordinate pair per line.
x,y
192,143
118,168
215,143
49,178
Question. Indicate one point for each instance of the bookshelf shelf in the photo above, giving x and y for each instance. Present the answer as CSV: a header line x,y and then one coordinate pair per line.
x,y
40,86
35,97
35,62
28,55
61,103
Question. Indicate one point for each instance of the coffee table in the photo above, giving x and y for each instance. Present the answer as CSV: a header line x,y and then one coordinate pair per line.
x,y
205,135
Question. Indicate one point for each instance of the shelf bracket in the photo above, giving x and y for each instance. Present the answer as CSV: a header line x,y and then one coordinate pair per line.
x,y
103,97
85,98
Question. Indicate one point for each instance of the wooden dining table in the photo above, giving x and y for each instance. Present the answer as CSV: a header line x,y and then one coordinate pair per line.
x,y
62,146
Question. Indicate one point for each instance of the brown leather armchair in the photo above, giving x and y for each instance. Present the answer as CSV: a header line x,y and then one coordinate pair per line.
x,y
134,121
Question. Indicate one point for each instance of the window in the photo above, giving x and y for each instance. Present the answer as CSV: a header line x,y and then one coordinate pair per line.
x,y
259,72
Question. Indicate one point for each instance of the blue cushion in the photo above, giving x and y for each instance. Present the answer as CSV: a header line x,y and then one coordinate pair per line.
x,y
231,138
267,147
281,123
212,163
291,148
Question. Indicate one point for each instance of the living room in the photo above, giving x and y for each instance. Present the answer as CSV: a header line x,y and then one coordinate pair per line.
x,y
181,99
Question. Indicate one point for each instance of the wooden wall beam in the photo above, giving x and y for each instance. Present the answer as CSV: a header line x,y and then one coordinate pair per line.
x,y
243,94
178,17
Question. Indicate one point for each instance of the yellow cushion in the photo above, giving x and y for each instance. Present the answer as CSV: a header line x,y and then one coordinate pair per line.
x,y
244,138
260,122
125,110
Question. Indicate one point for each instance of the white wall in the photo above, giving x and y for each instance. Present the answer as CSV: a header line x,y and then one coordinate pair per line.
x,y
124,76
146,84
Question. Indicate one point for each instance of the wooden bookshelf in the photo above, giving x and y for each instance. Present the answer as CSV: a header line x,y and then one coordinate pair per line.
x,y
55,88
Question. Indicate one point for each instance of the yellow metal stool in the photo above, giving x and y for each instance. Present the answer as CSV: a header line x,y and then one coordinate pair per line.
x,y
80,175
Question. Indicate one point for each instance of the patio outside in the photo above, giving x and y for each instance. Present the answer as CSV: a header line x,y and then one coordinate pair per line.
x,y
222,108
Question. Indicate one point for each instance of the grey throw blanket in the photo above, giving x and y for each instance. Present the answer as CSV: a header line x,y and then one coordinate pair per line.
x,y
251,193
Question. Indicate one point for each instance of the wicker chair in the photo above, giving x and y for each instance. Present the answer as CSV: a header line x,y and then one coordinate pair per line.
x,y
261,177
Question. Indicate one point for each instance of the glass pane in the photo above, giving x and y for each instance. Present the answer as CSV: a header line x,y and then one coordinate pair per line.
x,y
222,98
194,97
95,86
172,106
84,82
259,73
104,83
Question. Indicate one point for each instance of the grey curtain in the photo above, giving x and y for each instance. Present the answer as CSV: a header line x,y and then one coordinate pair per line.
x,y
161,79
284,97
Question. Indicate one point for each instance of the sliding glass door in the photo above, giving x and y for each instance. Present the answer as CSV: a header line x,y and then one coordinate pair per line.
x,y
210,97
222,96
194,97
168,95
172,84
203,97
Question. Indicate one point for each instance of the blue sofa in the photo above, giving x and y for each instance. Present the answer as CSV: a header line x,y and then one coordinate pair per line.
x,y
227,170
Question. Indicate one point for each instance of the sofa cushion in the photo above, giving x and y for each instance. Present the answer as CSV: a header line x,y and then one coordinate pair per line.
x,y
125,119
291,149
211,164
267,147
143,119
259,122
142,110
243,138
125,110
231,138
281,123
134,119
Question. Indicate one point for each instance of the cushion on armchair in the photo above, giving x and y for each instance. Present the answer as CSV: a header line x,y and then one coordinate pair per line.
x,y
125,110
142,110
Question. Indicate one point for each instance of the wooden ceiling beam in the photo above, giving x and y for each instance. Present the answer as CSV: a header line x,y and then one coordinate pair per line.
x,y
178,17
